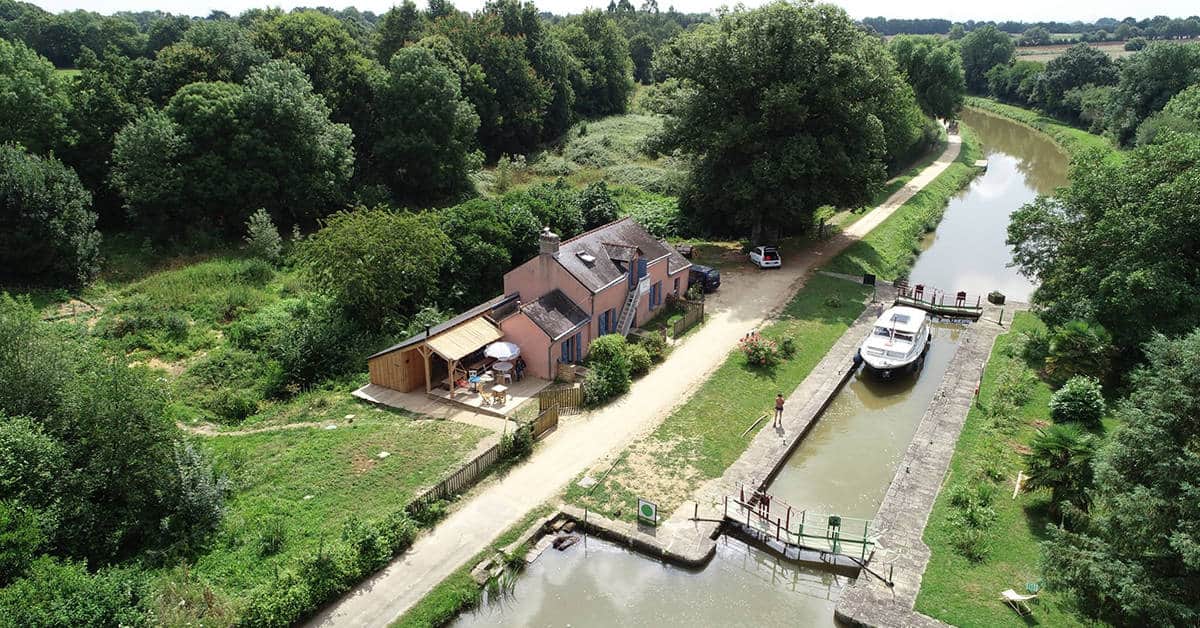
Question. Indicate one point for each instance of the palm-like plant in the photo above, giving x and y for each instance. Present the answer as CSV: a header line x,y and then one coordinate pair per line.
x,y
1060,459
1079,348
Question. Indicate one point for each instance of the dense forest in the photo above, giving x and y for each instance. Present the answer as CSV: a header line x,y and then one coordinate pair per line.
x,y
1157,27
330,180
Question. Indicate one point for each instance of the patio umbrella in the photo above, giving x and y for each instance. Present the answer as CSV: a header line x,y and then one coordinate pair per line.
x,y
502,351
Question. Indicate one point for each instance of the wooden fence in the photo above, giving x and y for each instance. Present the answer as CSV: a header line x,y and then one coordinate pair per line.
x,y
566,398
473,471
693,313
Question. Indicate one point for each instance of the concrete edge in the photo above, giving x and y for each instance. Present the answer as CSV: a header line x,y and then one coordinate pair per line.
x,y
697,551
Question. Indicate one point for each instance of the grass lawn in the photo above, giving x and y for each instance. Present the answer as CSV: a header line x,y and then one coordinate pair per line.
x,y
890,249
966,593
704,436
304,484
1069,138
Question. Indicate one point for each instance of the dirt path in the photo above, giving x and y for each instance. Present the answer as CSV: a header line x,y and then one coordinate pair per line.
x,y
746,299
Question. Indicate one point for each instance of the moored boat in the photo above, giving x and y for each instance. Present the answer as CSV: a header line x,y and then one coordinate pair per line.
x,y
897,343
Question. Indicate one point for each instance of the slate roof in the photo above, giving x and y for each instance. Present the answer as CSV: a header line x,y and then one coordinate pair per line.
x,y
477,311
555,313
610,244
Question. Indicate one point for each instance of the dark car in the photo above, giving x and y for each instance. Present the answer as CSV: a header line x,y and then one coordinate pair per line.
x,y
708,278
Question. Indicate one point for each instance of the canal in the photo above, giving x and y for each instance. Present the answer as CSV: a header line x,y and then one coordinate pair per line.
x,y
843,466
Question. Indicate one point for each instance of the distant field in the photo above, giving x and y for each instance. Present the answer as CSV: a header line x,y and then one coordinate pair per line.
x,y
68,72
1114,49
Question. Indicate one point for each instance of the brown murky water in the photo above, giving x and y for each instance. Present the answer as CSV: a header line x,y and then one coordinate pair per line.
x,y
967,251
842,467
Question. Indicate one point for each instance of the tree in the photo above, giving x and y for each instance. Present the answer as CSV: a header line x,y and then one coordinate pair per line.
x,y
1060,459
47,227
1078,66
1180,115
1017,82
107,95
1115,245
597,205
1148,81
209,51
983,49
490,238
641,54
1135,560
1078,348
1036,36
956,32
1079,400
787,114
401,25
933,68
148,173
33,103
165,31
21,536
378,265
262,238
603,52
425,146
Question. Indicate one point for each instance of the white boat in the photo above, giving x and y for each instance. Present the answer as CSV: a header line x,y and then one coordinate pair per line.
x,y
898,341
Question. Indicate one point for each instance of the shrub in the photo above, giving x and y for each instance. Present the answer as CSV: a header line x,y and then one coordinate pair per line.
x,y
759,351
272,536
1060,459
198,493
1036,347
658,214
262,238
605,381
597,205
21,536
370,545
1078,348
517,444
401,530
320,344
264,328
655,346
54,593
970,543
788,348
609,349
639,360
1080,400
833,301
431,512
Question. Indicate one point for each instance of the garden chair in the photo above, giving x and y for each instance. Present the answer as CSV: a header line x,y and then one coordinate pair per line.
x,y
1018,602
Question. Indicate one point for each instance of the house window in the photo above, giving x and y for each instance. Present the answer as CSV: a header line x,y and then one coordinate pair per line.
x,y
676,286
608,321
571,349
656,295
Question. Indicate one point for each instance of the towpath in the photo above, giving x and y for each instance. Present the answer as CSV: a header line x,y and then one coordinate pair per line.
x,y
746,299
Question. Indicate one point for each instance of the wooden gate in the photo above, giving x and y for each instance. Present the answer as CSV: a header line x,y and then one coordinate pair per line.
x,y
565,397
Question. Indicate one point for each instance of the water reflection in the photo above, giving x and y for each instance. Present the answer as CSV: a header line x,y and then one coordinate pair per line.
x,y
602,584
968,250
846,462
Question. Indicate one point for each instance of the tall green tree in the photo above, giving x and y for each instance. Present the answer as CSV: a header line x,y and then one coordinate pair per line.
x,y
380,266
1117,245
983,49
606,79
424,149
1137,560
401,25
641,54
1180,115
165,31
785,115
1149,79
1078,66
208,51
33,100
934,69
47,227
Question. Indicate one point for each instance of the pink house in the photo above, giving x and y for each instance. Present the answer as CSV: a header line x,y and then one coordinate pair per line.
x,y
604,281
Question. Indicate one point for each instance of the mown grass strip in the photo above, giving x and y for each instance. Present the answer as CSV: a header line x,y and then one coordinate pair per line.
x,y
1068,138
704,436
966,593
890,249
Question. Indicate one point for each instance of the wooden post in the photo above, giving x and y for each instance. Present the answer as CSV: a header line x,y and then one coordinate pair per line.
x,y
788,525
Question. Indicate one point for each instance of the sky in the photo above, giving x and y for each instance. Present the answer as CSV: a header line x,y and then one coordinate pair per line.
x,y
956,10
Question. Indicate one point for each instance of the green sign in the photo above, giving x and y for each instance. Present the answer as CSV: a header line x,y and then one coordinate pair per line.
x,y
647,512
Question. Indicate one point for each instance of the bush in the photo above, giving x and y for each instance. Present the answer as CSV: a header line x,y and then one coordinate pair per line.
x,y
320,344
655,346
262,238
1079,400
21,536
609,349
198,492
371,547
272,536
658,214
517,444
54,593
759,351
1060,459
1078,348
639,360
788,348
970,543
597,205
264,328
1036,347
605,381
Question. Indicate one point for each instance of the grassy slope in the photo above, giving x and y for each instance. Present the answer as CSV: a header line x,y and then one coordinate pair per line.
x,y
890,249
1069,138
963,593
704,436
272,473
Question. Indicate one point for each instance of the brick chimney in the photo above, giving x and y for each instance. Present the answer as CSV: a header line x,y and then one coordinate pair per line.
x,y
548,242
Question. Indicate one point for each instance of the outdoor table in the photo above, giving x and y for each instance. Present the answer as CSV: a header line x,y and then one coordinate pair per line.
x,y
499,394
502,368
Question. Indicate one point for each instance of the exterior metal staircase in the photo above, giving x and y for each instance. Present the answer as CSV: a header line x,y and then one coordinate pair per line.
x,y
625,322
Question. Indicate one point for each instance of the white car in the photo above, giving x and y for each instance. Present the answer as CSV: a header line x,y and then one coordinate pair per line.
x,y
765,257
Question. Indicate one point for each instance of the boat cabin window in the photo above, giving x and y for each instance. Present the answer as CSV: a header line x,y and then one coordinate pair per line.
x,y
904,336
886,332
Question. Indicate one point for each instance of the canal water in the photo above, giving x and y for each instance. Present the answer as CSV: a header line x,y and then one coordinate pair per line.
x,y
967,251
842,467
